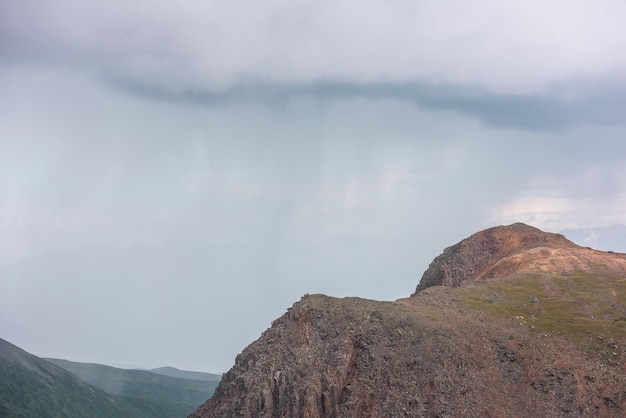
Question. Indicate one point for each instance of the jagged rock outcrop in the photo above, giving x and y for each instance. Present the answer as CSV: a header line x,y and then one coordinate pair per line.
x,y
466,349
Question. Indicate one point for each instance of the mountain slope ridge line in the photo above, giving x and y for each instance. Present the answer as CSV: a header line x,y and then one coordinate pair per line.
x,y
517,248
511,321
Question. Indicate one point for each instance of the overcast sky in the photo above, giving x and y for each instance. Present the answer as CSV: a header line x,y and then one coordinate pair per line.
x,y
173,177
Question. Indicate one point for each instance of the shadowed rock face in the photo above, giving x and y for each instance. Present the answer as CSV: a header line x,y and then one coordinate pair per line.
x,y
432,354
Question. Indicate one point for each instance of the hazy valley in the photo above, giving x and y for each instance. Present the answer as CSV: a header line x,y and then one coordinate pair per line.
x,y
34,387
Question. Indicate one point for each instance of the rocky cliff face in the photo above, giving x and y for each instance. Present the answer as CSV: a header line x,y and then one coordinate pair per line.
x,y
531,343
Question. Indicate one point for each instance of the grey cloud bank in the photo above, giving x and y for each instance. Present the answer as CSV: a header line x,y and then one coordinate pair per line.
x,y
513,47
172,179
592,105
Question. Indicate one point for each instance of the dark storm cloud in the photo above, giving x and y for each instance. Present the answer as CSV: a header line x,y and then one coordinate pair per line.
x,y
601,105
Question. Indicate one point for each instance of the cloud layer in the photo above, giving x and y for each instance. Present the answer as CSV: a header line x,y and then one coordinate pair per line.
x,y
512,47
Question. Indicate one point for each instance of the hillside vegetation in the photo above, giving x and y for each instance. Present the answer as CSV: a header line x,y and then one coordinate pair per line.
x,y
174,396
38,388
590,309
33,387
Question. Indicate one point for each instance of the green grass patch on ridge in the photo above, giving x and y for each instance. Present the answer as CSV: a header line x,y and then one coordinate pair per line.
x,y
589,308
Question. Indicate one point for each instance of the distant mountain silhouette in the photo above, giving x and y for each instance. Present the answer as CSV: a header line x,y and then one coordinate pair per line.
x,y
186,374
33,387
175,396
608,238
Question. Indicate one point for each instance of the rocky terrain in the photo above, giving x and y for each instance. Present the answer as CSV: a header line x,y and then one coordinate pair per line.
x,y
500,252
510,322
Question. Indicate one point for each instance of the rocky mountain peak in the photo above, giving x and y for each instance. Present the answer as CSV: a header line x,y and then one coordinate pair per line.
x,y
505,250
546,338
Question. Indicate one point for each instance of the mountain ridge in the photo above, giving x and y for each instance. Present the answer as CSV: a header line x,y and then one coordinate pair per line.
x,y
33,387
505,250
179,396
186,374
509,322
